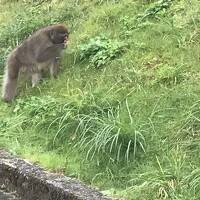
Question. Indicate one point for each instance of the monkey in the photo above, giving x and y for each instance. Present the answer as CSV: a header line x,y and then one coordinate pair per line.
x,y
43,48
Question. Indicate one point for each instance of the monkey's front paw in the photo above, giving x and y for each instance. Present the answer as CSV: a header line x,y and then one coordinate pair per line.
x,y
66,42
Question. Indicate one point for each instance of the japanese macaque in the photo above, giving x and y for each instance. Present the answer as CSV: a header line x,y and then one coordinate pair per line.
x,y
42,49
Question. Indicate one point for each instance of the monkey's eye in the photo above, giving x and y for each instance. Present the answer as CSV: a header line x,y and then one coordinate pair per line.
x,y
63,34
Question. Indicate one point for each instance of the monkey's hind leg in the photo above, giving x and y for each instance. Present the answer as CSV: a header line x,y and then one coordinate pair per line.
x,y
10,79
36,77
54,68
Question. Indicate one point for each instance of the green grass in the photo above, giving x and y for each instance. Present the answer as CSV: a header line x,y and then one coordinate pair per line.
x,y
124,113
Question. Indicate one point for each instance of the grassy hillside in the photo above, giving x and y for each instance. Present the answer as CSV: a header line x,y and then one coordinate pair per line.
x,y
124,114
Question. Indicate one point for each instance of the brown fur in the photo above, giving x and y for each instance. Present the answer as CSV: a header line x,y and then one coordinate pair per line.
x,y
36,52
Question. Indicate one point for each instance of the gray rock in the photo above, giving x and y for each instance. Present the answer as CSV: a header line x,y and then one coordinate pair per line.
x,y
33,183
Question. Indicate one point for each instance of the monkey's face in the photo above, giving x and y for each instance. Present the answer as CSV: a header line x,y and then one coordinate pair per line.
x,y
59,35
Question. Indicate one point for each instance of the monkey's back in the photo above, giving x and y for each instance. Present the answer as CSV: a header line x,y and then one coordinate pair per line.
x,y
27,52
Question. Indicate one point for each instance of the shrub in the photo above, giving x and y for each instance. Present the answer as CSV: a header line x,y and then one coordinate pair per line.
x,y
155,9
101,50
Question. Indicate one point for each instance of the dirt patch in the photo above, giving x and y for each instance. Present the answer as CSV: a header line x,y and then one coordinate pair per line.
x,y
33,183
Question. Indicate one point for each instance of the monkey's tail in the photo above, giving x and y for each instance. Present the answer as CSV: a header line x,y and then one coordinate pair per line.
x,y
10,78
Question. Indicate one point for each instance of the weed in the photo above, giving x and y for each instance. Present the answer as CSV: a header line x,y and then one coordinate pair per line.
x,y
169,75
